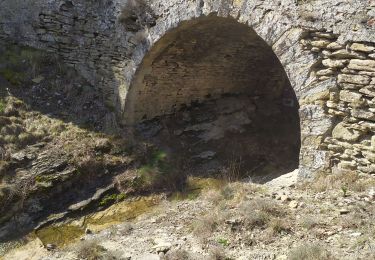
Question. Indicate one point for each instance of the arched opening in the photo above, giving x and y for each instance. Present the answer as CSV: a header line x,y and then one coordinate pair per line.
x,y
213,91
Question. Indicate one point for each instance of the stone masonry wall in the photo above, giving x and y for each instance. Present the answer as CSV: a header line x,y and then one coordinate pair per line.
x,y
349,70
325,47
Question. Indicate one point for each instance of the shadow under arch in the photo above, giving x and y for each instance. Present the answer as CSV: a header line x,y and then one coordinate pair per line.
x,y
213,91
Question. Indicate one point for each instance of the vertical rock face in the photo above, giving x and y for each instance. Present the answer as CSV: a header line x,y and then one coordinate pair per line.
x,y
127,49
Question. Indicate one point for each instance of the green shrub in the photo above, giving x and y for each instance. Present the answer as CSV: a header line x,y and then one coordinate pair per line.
x,y
2,106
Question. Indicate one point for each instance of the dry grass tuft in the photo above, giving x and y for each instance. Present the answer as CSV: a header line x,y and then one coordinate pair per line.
x,y
177,254
344,180
310,252
217,253
309,222
92,250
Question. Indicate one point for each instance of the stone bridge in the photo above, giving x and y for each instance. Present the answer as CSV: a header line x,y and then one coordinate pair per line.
x,y
151,58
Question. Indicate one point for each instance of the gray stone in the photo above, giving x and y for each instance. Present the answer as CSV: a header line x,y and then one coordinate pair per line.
x,y
355,79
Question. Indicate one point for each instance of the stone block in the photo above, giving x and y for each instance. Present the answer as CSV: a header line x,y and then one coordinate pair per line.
x,y
334,46
320,43
330,63
368,91
355,79
325,72
367,65
349,96
363,114
342,132
344,54
362,47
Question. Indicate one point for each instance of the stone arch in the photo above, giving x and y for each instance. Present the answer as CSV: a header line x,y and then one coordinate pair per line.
x,y
225,68
203,58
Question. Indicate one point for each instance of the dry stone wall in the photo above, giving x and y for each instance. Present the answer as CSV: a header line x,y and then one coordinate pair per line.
x,y
349,70
325,47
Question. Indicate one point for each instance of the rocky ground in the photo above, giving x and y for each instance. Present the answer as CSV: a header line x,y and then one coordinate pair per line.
x,y
333,218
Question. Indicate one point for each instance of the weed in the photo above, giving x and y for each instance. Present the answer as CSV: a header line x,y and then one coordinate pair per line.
x,y
223,241
112,198
344,190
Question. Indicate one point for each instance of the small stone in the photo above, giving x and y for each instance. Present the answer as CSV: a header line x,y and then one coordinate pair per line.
x,y
38,79
88,231
371,193
285,198
362,47
50,247
162,247
344,211
293,204
355,234
326,35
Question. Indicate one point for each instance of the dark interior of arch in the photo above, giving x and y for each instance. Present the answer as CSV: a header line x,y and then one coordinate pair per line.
x,y
214,93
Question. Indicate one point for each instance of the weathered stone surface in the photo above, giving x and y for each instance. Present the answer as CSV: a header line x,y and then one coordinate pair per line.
x,y
334,46
320,43
362,47
342,132
344,54
367,65
326,72
351,97
363,114
334,63
355,79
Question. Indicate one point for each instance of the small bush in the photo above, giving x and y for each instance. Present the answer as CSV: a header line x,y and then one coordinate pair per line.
x,y
90,250
205,226
309,252
259,213
309,222
278,226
